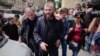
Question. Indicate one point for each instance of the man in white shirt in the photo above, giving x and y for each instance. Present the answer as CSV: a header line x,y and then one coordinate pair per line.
x,y
13,48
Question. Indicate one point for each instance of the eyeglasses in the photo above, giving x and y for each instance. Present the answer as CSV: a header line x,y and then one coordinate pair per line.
x,y
77,17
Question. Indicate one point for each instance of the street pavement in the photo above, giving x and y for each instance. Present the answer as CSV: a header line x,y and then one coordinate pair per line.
x,y
69,52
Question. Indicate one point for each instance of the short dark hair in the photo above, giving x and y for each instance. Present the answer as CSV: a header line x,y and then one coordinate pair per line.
x,y
10,18
16,15
79,14
64,10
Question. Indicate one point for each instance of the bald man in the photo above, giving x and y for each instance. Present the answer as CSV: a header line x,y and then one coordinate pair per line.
x,y
28,28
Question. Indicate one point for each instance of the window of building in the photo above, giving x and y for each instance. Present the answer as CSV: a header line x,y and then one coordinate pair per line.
x,y
83,0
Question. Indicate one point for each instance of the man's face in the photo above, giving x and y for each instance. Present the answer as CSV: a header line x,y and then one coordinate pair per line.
x,y
12,21
71,11
78,6
30,14
63,15
48,11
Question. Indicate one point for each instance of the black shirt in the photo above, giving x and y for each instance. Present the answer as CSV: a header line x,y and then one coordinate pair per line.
x,y
11,31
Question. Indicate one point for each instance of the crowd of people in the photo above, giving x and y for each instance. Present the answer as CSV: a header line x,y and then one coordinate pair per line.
x,y
42,35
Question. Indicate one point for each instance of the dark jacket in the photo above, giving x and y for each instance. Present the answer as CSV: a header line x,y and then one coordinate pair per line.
x,y
27,29
87,19
83,34
47,34
11,31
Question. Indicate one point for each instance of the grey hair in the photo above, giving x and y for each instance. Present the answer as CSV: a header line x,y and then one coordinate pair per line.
x,y
28,9
49,4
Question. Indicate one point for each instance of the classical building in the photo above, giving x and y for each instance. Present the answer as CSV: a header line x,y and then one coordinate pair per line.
x,y
67,3
6,4
36,4
72,3
21,4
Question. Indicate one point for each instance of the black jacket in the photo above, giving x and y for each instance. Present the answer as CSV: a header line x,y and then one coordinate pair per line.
x,y
27,29
83,34
11,31
42,31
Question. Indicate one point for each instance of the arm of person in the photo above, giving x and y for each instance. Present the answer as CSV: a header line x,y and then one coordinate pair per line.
x,y
92,27
58,42
36,33
22,31
70,30
4,28
19,40
98,29
5,34
38,38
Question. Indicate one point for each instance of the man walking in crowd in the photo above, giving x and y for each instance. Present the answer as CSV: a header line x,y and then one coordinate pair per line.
x,y
27,30
66,24
47,32
10,29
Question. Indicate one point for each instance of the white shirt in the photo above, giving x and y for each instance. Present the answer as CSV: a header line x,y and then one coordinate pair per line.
x,y
14,48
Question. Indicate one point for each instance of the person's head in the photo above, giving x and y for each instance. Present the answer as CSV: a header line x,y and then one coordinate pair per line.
x,y
1,14
16,16
57,14
77,18
84,5
70,12
64,13
49,9
11,20
78,6
30,14
89,5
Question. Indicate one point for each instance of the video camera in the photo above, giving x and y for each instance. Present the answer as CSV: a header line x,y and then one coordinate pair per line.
x,y
96,8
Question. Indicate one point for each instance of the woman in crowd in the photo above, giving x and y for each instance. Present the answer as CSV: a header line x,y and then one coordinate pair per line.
x,y
75,35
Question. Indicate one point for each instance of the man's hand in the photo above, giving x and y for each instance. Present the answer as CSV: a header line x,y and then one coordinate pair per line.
x,y
43,46
58,43
20,40
93,43
65,38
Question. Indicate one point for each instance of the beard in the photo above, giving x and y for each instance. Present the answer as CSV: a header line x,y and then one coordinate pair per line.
x,y
49,15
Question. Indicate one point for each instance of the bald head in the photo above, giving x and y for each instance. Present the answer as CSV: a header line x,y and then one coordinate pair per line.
x,y
29,13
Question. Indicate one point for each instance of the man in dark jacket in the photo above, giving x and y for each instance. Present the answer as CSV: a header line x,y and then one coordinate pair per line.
x,y
47,32
10,29
27,30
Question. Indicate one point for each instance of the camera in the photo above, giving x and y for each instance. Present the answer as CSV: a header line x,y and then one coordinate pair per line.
x,y
96,8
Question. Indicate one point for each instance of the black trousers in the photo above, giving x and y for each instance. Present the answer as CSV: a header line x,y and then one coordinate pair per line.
x,y
34,47
51,51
